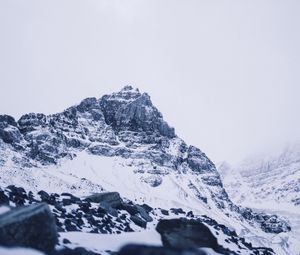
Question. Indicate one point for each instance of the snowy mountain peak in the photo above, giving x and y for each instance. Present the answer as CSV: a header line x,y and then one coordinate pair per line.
x,y
119,142
130,110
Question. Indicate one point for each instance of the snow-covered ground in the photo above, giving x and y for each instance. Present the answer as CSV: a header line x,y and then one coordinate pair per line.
x,y
88,173
19,251
269,183
104,243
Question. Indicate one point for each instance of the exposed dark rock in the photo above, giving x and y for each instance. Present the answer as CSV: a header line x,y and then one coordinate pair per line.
x,y
131,209
111,198
110,210
73,198
7,120
177,211
131,110
183,234
156,250
275,225
4,200
138,221
76,251
9,131
17,195
147,208
144,214
268,223
198,161
153,180
102,150
164,212
29,226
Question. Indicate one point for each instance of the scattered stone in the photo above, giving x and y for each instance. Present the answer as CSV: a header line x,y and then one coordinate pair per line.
x,y
138,221
164,212
111,198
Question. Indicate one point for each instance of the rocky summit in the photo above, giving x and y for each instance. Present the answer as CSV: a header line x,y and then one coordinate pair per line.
x,y
102,164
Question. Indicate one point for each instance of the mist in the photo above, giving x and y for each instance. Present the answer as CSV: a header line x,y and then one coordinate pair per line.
x,y
225,74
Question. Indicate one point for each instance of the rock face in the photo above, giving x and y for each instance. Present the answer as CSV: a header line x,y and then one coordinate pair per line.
x,y
31,226
130,110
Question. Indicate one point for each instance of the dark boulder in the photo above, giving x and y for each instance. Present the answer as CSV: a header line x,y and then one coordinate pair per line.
x,y
108,209
144,214
111,198
131,209
183,234
177,211
164,212
147,208
17,195
32,121
76,251
29,226
275,225
4,200
138,221
156,250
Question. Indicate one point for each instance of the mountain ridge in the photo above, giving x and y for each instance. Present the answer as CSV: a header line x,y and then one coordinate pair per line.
x,y
146,160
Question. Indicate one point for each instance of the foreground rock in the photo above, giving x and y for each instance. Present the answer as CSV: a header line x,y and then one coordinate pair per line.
x,y
76,214
183,234
29,226
155,250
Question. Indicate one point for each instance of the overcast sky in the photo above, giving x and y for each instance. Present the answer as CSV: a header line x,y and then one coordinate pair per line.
x,y
225,74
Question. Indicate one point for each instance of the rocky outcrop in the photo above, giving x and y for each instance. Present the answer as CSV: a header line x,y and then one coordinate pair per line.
x,y
30,226
9,131
130,110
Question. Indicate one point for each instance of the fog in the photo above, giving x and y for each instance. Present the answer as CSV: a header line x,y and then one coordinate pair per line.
x,y
225,74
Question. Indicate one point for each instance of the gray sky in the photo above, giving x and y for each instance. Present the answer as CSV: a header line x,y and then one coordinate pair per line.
x,y
225,74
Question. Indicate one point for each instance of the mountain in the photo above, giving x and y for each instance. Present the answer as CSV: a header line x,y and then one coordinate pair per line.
x,y
269,178
267,182
121,143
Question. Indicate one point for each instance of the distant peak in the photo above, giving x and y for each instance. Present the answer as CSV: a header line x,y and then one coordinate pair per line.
x,y
127,93
130,88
